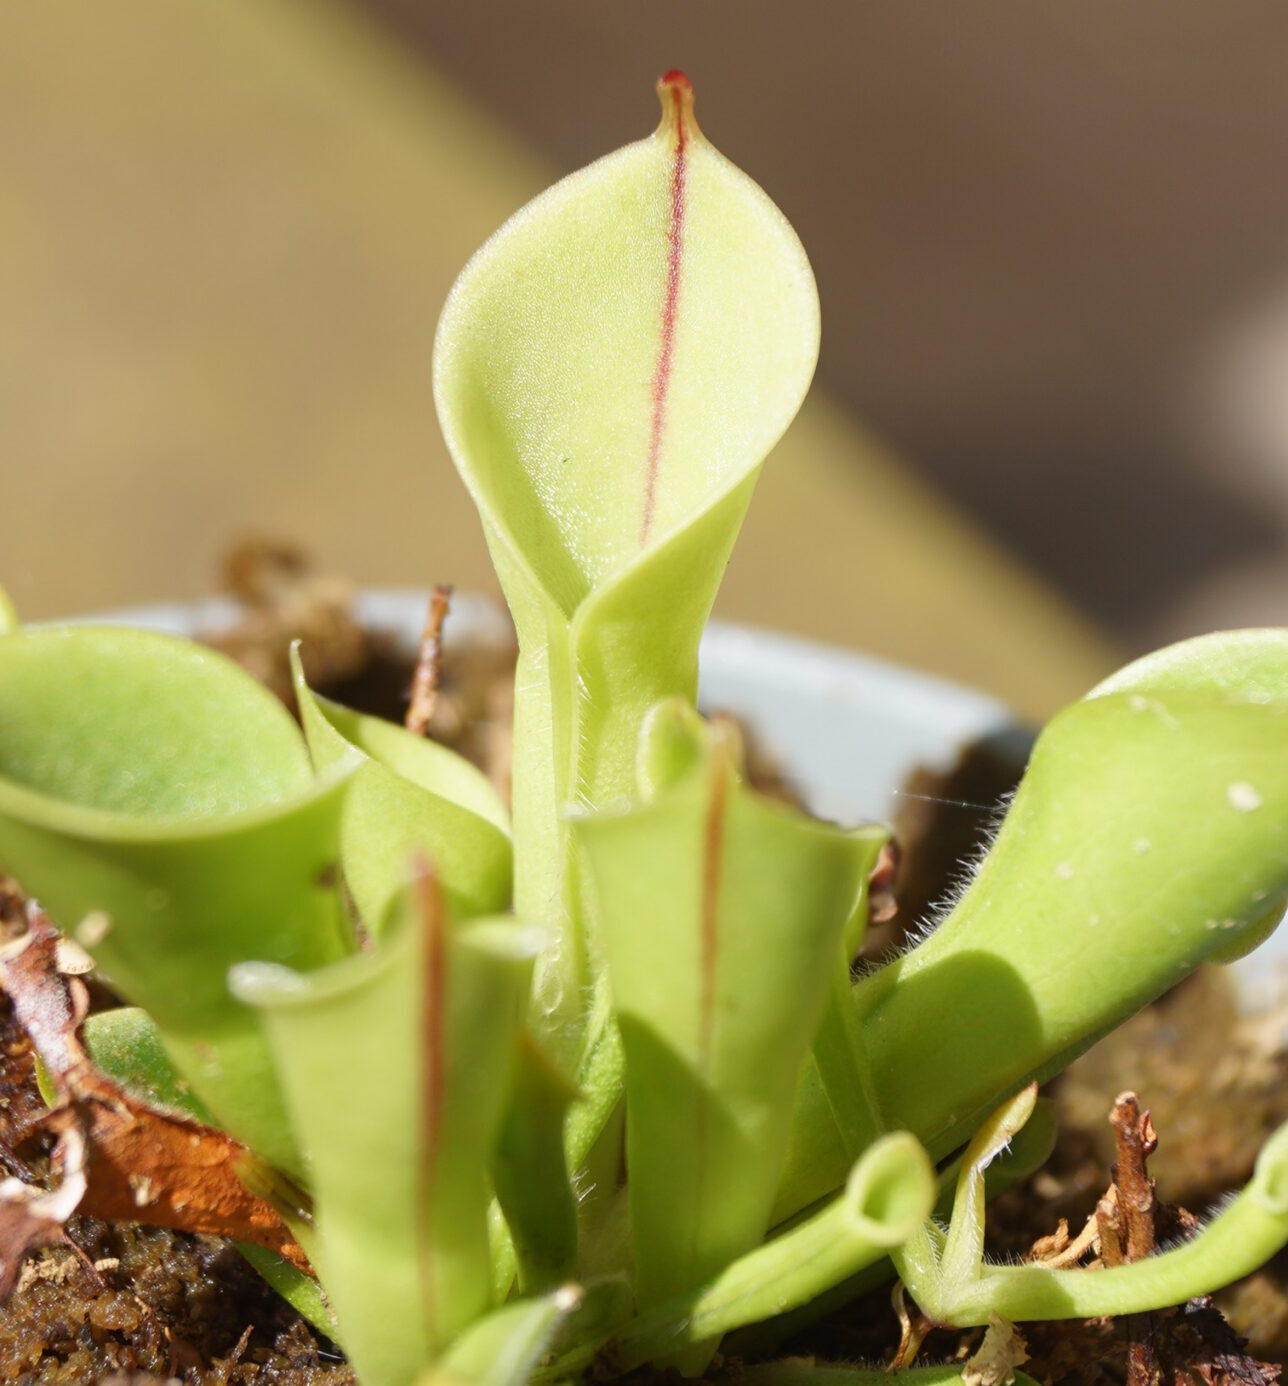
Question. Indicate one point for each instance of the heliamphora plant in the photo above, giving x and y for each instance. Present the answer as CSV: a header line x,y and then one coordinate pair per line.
x,y
587,1084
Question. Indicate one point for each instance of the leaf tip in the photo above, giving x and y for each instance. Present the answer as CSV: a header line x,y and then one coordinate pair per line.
x,y
675,92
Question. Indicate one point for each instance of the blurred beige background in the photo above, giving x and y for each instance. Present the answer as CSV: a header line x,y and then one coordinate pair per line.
x,y
1050,240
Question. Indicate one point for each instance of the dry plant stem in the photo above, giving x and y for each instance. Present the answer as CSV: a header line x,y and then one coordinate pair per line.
x,y
1126,1214
235,1356
912,1332
429,663
1064,1251
1125,1217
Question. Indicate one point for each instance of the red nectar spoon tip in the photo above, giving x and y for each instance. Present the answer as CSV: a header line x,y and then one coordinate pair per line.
x,y
675,92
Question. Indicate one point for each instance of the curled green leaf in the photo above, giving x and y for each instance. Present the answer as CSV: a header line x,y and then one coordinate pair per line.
x,y
398,1165
1242,1237
530,1171
623,352
718,972
504,1348
887,1195
410,798
1150,833
174,844
1029,1150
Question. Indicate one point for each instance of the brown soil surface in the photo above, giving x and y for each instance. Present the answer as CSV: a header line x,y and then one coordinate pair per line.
x,y
125,1303
137,1304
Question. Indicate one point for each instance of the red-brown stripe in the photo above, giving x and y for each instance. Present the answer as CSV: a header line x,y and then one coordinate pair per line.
x,y
709,956
679,92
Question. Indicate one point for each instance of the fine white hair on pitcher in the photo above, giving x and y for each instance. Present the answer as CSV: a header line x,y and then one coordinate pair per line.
x,y
959,883
1210,1215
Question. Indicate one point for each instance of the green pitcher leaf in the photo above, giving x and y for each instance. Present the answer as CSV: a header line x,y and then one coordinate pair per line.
x,y
964,1243
73,727
503,1348
396,1066
610,371
300,1291
1029,1150
530,1171
623,352
1247,665
126,1045
1150,833
887,1195
807,1371
720,916
1242,1237
161,804
410,798
436,768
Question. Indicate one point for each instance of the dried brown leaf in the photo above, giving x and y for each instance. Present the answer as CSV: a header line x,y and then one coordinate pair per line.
x,y
1059,1249
1213,1352
996,1359
141,1165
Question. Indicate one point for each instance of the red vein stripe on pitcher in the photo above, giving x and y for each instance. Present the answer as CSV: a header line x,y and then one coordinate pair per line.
x,y
676,93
